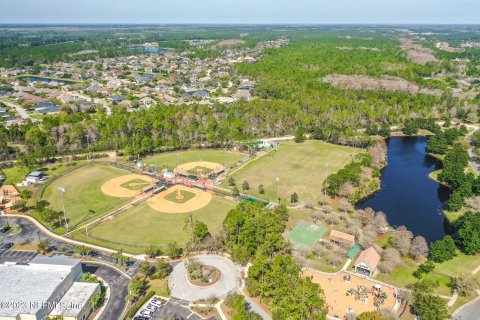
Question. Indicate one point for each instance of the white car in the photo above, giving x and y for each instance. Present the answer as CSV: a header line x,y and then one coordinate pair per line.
x,y
151,307
146,313
157,303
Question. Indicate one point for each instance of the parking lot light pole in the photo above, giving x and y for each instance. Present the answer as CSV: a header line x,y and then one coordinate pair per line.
x,y
62,191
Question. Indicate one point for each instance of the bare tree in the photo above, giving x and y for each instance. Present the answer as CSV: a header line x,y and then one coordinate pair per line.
x,y
402,239
465,284
419,248
345,206
380,222
390,259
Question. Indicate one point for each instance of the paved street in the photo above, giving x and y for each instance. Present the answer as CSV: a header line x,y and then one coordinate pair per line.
x,y
183,289
20,110
117,282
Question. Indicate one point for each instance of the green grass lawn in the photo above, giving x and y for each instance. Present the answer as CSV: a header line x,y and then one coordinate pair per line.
x,y
135,184
300,167
14,175
171,159
143,226
172,196
83,194
461,264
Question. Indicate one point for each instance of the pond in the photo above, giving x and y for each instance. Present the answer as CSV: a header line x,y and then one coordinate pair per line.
x,y
407,195
151,49
46,80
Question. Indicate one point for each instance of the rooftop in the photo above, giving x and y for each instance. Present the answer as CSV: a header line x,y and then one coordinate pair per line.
x,y
75,299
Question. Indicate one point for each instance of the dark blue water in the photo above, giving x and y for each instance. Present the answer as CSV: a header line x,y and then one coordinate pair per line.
x,y
407,195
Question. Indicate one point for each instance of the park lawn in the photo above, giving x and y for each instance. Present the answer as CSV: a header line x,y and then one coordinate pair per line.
x,y
14,175
83,195
170,160
160,286
461,264
144,226
300,167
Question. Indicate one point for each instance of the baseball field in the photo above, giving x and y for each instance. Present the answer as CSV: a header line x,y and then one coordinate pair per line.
x,y
92,188
300,167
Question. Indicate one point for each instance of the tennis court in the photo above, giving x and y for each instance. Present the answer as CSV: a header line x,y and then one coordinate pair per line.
x,y
306,234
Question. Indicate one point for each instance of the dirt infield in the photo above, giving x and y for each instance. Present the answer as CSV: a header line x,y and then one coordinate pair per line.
x,y
116,187
200,200
187,167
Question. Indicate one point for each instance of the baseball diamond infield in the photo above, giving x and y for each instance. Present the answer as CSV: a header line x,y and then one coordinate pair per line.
x,y
124,186
199,167
166,200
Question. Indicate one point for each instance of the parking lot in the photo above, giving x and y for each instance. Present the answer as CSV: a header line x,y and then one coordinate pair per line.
x,y
16,256
175,309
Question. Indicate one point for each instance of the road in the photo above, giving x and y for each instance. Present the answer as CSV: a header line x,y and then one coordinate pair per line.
x,y
469,311
117,281
20,110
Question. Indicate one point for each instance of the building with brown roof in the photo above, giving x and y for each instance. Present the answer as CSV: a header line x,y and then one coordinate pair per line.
x,y
367,262
341,238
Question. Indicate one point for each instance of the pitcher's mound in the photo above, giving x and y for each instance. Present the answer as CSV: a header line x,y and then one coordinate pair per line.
x,y
180,199
126,186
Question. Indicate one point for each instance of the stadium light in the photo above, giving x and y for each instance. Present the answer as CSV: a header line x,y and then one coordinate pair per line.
x,y
62,191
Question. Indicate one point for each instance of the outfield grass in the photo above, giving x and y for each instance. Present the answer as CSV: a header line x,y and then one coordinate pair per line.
x,y
135,184
300,167
171,159
143,226
83,194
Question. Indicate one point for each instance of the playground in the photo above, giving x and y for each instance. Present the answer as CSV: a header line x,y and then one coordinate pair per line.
x,y
306,234
346,292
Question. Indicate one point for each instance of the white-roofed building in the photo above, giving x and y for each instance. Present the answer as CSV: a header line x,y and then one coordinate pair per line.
x,y
32,291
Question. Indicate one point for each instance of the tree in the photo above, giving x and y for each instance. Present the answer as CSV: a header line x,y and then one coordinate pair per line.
x,y
261,190
240,310
163,269
443,250
152,252
146,268
95,301
173,250
245,186
402,239
26,194
43,247
419,248
469,232
465,284
231,182
83,250
371,315
427,305
197,229
235,192
137,286
299,135
294,198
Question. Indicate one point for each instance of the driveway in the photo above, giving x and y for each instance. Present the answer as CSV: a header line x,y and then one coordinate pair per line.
x,y
118,284
182,289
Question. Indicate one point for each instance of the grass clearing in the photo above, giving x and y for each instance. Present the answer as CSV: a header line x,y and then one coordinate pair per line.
x,y
170,160
143,226
83,195
300,167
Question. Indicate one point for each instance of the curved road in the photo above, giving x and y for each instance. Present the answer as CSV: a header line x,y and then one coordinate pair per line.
x,y
117,281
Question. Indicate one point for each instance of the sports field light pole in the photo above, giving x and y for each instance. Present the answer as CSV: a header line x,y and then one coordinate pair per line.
x,y
278,189
326,180
225,152
133,145
88,143
62,191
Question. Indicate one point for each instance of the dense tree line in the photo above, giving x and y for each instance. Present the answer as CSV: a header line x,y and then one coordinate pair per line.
x,y
254,233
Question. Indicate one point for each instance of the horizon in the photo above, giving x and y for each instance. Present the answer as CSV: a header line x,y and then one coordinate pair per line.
x,y
248,12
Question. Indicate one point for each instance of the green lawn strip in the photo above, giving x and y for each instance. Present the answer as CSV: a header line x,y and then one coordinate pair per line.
x,y
300,167
321,265
145,226
135,184
172,196
160,286
170,160
83,195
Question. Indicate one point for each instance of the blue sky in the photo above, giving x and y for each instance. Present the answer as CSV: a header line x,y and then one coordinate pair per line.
x,y
240,11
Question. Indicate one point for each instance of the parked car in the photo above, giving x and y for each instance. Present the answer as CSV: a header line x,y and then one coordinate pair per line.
x,y
6,246
146,313
5,229
140,318
151,307
157,303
